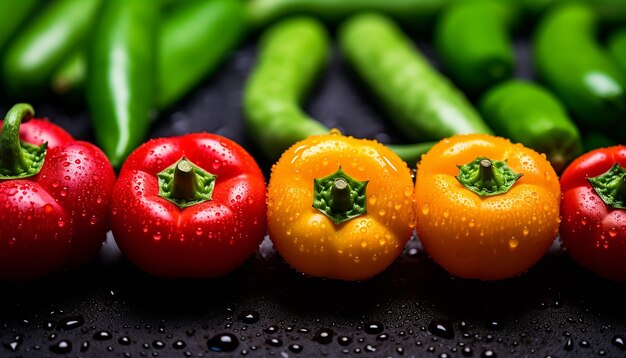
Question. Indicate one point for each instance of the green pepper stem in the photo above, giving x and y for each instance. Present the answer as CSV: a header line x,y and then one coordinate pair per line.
x,y
487,177
617,187
11,155
184,185
486,174
341,195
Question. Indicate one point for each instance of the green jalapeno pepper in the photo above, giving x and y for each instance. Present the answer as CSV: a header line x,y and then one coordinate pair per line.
x,y
183,36
292,52
193,41
572,63
473,42
120,83
14,14
422,102
45,43
416,13
527,113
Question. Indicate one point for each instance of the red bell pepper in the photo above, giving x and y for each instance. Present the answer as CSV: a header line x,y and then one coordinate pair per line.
x,y
54,197
189,206
593,209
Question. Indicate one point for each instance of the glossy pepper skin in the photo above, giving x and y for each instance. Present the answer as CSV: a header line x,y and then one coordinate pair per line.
x,y
170,227
422,103
474,43
54,213
320,234
185,35
589,83
593,229
529,114
184,32
120,88
498,233
292,53
46,41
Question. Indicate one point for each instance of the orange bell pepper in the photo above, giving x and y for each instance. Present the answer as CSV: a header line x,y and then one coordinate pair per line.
x,y
340,207
486,208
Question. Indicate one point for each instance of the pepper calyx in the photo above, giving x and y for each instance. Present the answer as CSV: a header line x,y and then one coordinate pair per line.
x,y
340,197
185,184
19,159
487,177
611,186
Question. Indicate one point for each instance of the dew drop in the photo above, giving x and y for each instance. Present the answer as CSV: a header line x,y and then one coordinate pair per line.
x,y
513,243
61,347
223,342
442,329
274,342
47,209
249,317
102,336
374,328
425,209
324,336
71,322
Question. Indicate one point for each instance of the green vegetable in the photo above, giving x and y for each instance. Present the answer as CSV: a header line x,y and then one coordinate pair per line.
x,y
412,12
45,43
611,12
122,66
291,54
14,13
572,63
184,35
473,42
617,47
527,113
423,103
71,75
194,40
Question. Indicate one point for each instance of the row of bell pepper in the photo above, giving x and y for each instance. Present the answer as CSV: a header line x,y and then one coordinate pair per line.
x,y
336,206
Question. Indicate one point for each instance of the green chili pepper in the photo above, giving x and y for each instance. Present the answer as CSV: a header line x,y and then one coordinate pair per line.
x,y
572,63
183,36
527,113
59,30
617,47
423,103
14,13
193,41
291,54
122,66
473,42
411,12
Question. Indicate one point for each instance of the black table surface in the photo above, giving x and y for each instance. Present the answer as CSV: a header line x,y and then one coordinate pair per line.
x,y
414,308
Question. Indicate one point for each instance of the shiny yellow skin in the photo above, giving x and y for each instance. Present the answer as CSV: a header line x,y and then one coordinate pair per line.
x,y
354,250
488,238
